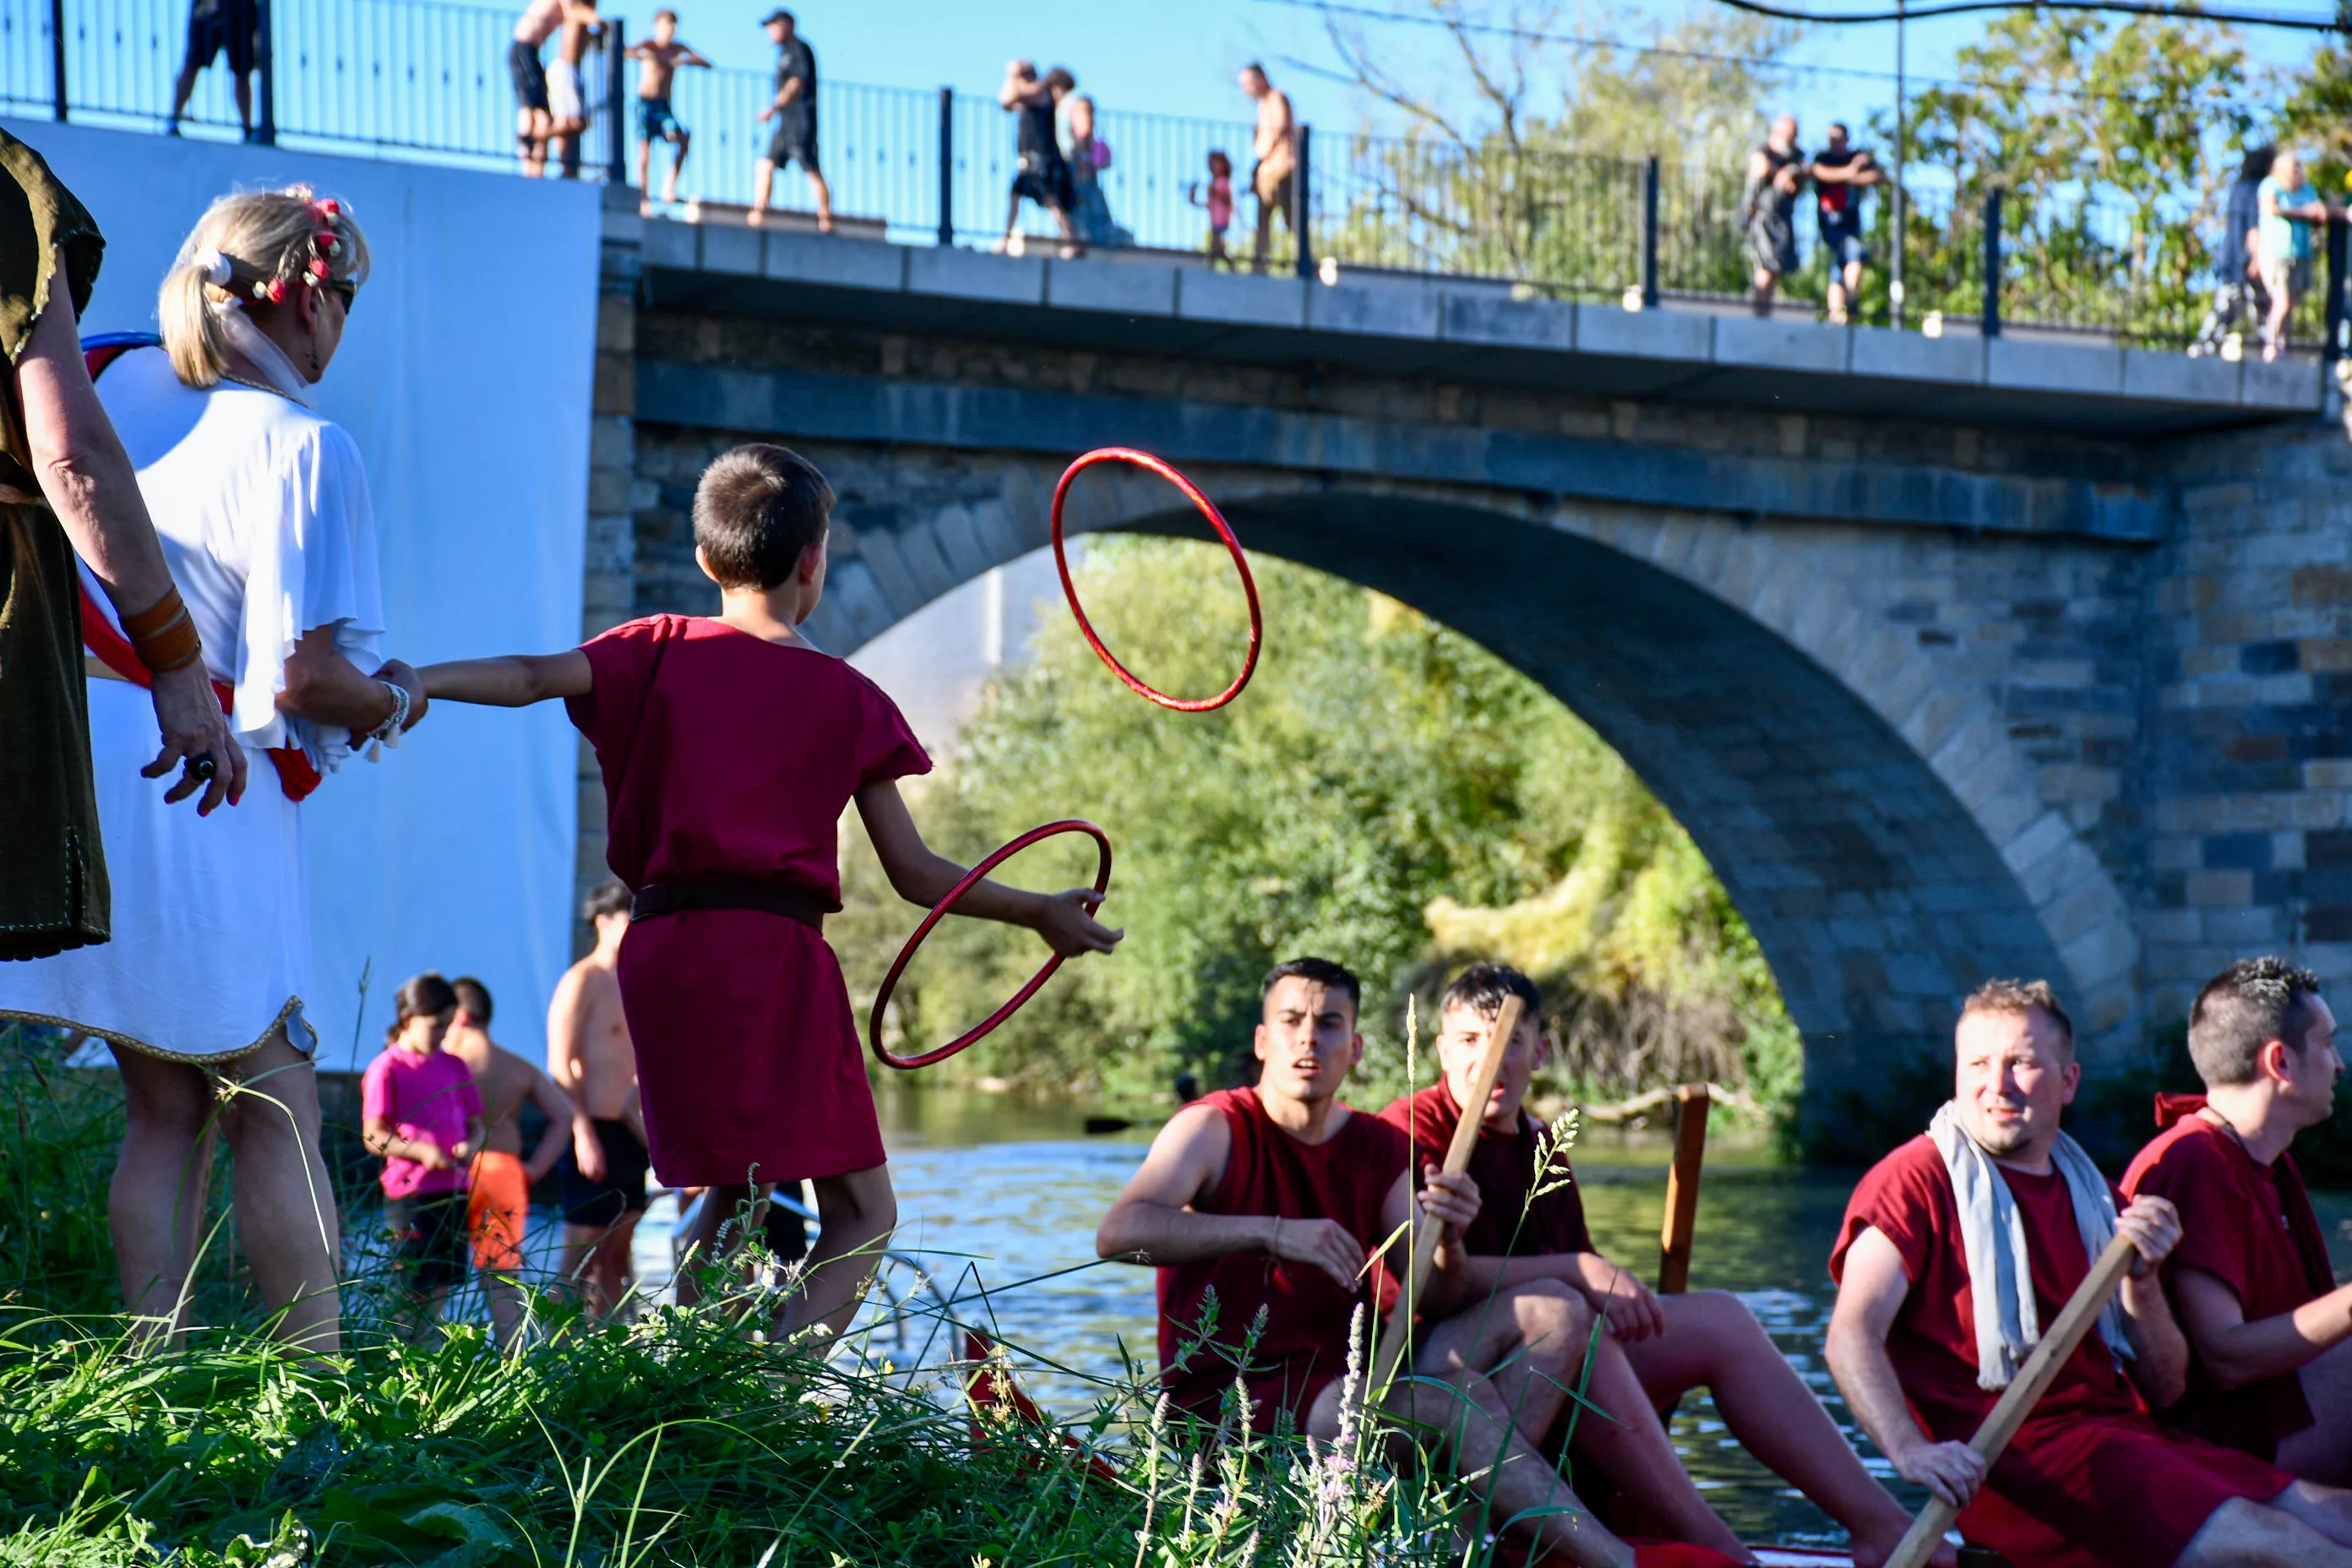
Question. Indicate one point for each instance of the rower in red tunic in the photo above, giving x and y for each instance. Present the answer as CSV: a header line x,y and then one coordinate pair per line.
x,y
1530,1225
729,749
2269,1331
1261,1207
1957,1248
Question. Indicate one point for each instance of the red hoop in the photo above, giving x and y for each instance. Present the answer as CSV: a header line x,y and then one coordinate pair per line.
x,y
898,966
1232,547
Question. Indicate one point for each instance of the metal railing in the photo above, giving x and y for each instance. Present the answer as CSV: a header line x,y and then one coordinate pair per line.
x,y
428,78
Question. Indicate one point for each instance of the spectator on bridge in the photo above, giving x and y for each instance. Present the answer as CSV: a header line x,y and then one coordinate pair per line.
x,y
567,101
1218,203
1275,179
1088,157
662,56
2240,293
1044,175
1776,172
530,78
2289,207
215,26
793,108
1842,172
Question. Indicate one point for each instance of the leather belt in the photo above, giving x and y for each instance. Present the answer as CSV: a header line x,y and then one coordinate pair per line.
x,y
772,898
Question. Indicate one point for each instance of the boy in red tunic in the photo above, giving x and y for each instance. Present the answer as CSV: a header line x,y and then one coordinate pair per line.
x,y
2269,1331
1922,1343
729,748
1272,1200
1530,1227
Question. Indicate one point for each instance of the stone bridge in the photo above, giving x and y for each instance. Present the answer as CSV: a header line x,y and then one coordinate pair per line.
x,y
1957,657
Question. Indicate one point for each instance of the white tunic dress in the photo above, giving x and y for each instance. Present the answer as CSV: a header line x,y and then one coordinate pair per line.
x,y
262,507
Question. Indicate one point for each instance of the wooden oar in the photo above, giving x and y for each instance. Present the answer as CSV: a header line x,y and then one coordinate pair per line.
x,y
2018,1400
1399,1333
1682,1189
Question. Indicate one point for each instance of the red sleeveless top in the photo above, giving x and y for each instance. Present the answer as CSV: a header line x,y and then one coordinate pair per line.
x,y
1304,1343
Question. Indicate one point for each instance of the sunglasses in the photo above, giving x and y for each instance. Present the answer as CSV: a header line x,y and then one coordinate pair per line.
x,y
346,290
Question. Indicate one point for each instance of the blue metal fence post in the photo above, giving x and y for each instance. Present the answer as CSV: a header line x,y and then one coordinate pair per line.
x,y
2333,349
265,73
947,165
617,121
1650,234
1992,263
57,58
1302,200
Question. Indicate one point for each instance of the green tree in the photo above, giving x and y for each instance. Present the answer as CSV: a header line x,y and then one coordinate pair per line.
x,y
2112,143
1382,786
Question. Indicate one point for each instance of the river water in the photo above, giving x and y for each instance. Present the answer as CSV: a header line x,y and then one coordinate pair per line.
x,y
993,1195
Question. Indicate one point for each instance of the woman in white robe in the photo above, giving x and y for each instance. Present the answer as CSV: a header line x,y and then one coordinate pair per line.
x,y
262,506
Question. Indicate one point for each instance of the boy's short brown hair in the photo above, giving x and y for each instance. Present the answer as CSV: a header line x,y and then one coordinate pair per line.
x,y
757,507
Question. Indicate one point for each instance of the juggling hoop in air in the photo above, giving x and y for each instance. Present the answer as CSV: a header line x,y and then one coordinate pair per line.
x,y
898,966
1232,547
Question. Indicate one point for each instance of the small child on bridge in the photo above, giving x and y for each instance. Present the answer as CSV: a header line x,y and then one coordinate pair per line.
x,y
729,749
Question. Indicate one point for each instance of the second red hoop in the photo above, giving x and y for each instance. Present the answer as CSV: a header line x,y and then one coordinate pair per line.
x,y
1232,547
898,965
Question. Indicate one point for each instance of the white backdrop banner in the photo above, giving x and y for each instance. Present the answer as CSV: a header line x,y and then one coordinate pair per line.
x,y
464,378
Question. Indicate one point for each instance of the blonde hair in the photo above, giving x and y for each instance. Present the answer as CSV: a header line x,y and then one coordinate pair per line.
x,y
251,247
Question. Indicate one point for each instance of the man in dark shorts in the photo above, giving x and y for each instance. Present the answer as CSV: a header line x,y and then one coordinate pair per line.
x,y
793,110
1043,174
215,26
529,74
1842,172
1775,172
662,56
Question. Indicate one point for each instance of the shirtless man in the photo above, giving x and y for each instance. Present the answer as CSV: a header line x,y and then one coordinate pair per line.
x,y
567,102
661,55
1276,147
529,74
590,1057
1273,1199
499,1207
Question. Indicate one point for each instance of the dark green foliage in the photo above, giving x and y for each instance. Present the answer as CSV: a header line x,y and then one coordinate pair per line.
x,y
1386,793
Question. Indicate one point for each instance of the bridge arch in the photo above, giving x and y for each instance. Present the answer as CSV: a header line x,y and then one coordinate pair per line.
x,y
1866,808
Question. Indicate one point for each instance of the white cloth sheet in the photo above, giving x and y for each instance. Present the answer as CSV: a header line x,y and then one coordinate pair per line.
x,y
468,402
262,508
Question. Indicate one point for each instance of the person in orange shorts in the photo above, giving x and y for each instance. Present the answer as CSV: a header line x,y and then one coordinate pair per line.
x,y
499,1207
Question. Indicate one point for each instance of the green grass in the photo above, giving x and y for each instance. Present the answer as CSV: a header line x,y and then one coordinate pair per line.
x,y
680,1439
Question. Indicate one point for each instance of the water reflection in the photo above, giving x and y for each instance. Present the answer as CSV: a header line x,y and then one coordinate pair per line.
x,y
987,1212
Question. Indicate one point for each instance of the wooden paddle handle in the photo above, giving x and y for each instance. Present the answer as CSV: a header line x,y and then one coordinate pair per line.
x,y
1682,1189
1399,1333
2025,1391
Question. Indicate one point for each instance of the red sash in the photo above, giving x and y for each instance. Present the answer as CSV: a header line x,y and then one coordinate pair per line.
x,y
296,775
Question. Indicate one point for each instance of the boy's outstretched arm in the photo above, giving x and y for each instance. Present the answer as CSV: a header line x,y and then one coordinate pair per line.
x,y
517,680
1065,919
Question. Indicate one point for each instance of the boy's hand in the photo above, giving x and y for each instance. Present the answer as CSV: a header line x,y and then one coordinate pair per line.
x,y
587,1150
430,1156
461,1152
1067,921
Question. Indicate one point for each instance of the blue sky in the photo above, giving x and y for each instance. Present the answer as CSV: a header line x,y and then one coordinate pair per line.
x,y
1169,58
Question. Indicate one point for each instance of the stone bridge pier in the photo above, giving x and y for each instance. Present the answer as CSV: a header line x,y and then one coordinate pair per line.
x,y
1956,657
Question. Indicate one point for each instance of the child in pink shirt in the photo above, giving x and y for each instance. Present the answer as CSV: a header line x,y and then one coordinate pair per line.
x,y
1219,204
420,1110
729,749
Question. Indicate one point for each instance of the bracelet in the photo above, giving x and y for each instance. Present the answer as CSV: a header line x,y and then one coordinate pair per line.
x,y
164,635
388,732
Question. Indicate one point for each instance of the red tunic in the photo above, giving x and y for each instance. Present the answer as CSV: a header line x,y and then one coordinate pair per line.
x,y
1304,1346
2252,1228
1510,1224
2090,1477
730,759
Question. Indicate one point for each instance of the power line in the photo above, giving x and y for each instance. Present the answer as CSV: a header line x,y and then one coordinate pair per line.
x,y
1961,7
